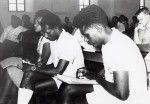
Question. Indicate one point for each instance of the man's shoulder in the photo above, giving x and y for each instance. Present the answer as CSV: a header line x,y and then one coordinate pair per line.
x,y
65,36
121,43
119,37
67,41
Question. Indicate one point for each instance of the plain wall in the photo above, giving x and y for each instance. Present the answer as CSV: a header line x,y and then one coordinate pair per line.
x,y
126,7
118,7
107,6
69,8
147,3
5,15
61,7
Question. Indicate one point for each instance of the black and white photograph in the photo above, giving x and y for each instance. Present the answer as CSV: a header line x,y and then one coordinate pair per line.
x,y
74,51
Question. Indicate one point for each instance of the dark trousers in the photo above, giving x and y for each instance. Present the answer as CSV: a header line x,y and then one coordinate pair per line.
x,y
8,90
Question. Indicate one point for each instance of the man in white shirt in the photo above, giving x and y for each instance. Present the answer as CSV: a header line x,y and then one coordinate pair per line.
x,y
67,58
142,34
125,71
125,80
142,31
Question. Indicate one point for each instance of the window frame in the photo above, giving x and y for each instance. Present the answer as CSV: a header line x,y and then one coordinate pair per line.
x,y
83,5
16,6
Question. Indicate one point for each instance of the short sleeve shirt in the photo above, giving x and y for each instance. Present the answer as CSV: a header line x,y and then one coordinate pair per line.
x,y
68,48
122,54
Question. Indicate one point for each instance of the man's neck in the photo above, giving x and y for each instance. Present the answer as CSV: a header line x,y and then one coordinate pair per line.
x,y
108,32
60,32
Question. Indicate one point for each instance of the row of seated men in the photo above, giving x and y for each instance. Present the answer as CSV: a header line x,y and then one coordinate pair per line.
x,y
30,44
9,37
59,56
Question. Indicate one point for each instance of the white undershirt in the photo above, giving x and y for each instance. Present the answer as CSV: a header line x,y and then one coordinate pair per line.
x,y
121,53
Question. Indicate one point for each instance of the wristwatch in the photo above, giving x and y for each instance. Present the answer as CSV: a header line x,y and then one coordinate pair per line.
x,y
33,68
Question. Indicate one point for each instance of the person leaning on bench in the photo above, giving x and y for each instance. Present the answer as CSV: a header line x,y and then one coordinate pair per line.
x,y
68,57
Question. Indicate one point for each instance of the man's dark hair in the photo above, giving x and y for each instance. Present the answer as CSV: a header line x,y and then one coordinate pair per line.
x,y
41,13
25,18
89,15
93,25
145,10
51,20
15,21
123,18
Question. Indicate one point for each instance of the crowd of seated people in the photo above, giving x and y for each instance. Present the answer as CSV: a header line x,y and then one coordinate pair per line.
x,y
121,23
9,38
44,49
52,58
124,66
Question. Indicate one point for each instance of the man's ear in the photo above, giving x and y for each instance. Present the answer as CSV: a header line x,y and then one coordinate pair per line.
x,y
99,28
44,28
56,29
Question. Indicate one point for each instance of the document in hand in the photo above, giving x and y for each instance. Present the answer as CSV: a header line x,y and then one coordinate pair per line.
x,y
72,80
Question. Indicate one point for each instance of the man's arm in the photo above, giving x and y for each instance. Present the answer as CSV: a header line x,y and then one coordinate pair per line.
x,y
120,87
138,32
62,65
45,54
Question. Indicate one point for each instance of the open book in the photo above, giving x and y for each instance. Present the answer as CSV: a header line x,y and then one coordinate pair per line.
x,y
72,80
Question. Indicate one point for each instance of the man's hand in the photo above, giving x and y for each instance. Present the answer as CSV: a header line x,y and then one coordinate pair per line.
x,y
39,64
100,76
27,67
140,26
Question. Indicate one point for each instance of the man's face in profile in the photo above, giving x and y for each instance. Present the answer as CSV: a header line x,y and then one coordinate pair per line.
x,y
37,25
143,18
94,36
51,34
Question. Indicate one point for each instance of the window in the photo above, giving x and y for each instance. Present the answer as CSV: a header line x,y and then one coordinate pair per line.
x,y
83,3
16,5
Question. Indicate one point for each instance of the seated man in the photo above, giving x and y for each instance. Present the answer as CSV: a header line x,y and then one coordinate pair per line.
x,y
125,72
68,57
8,39
141,33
